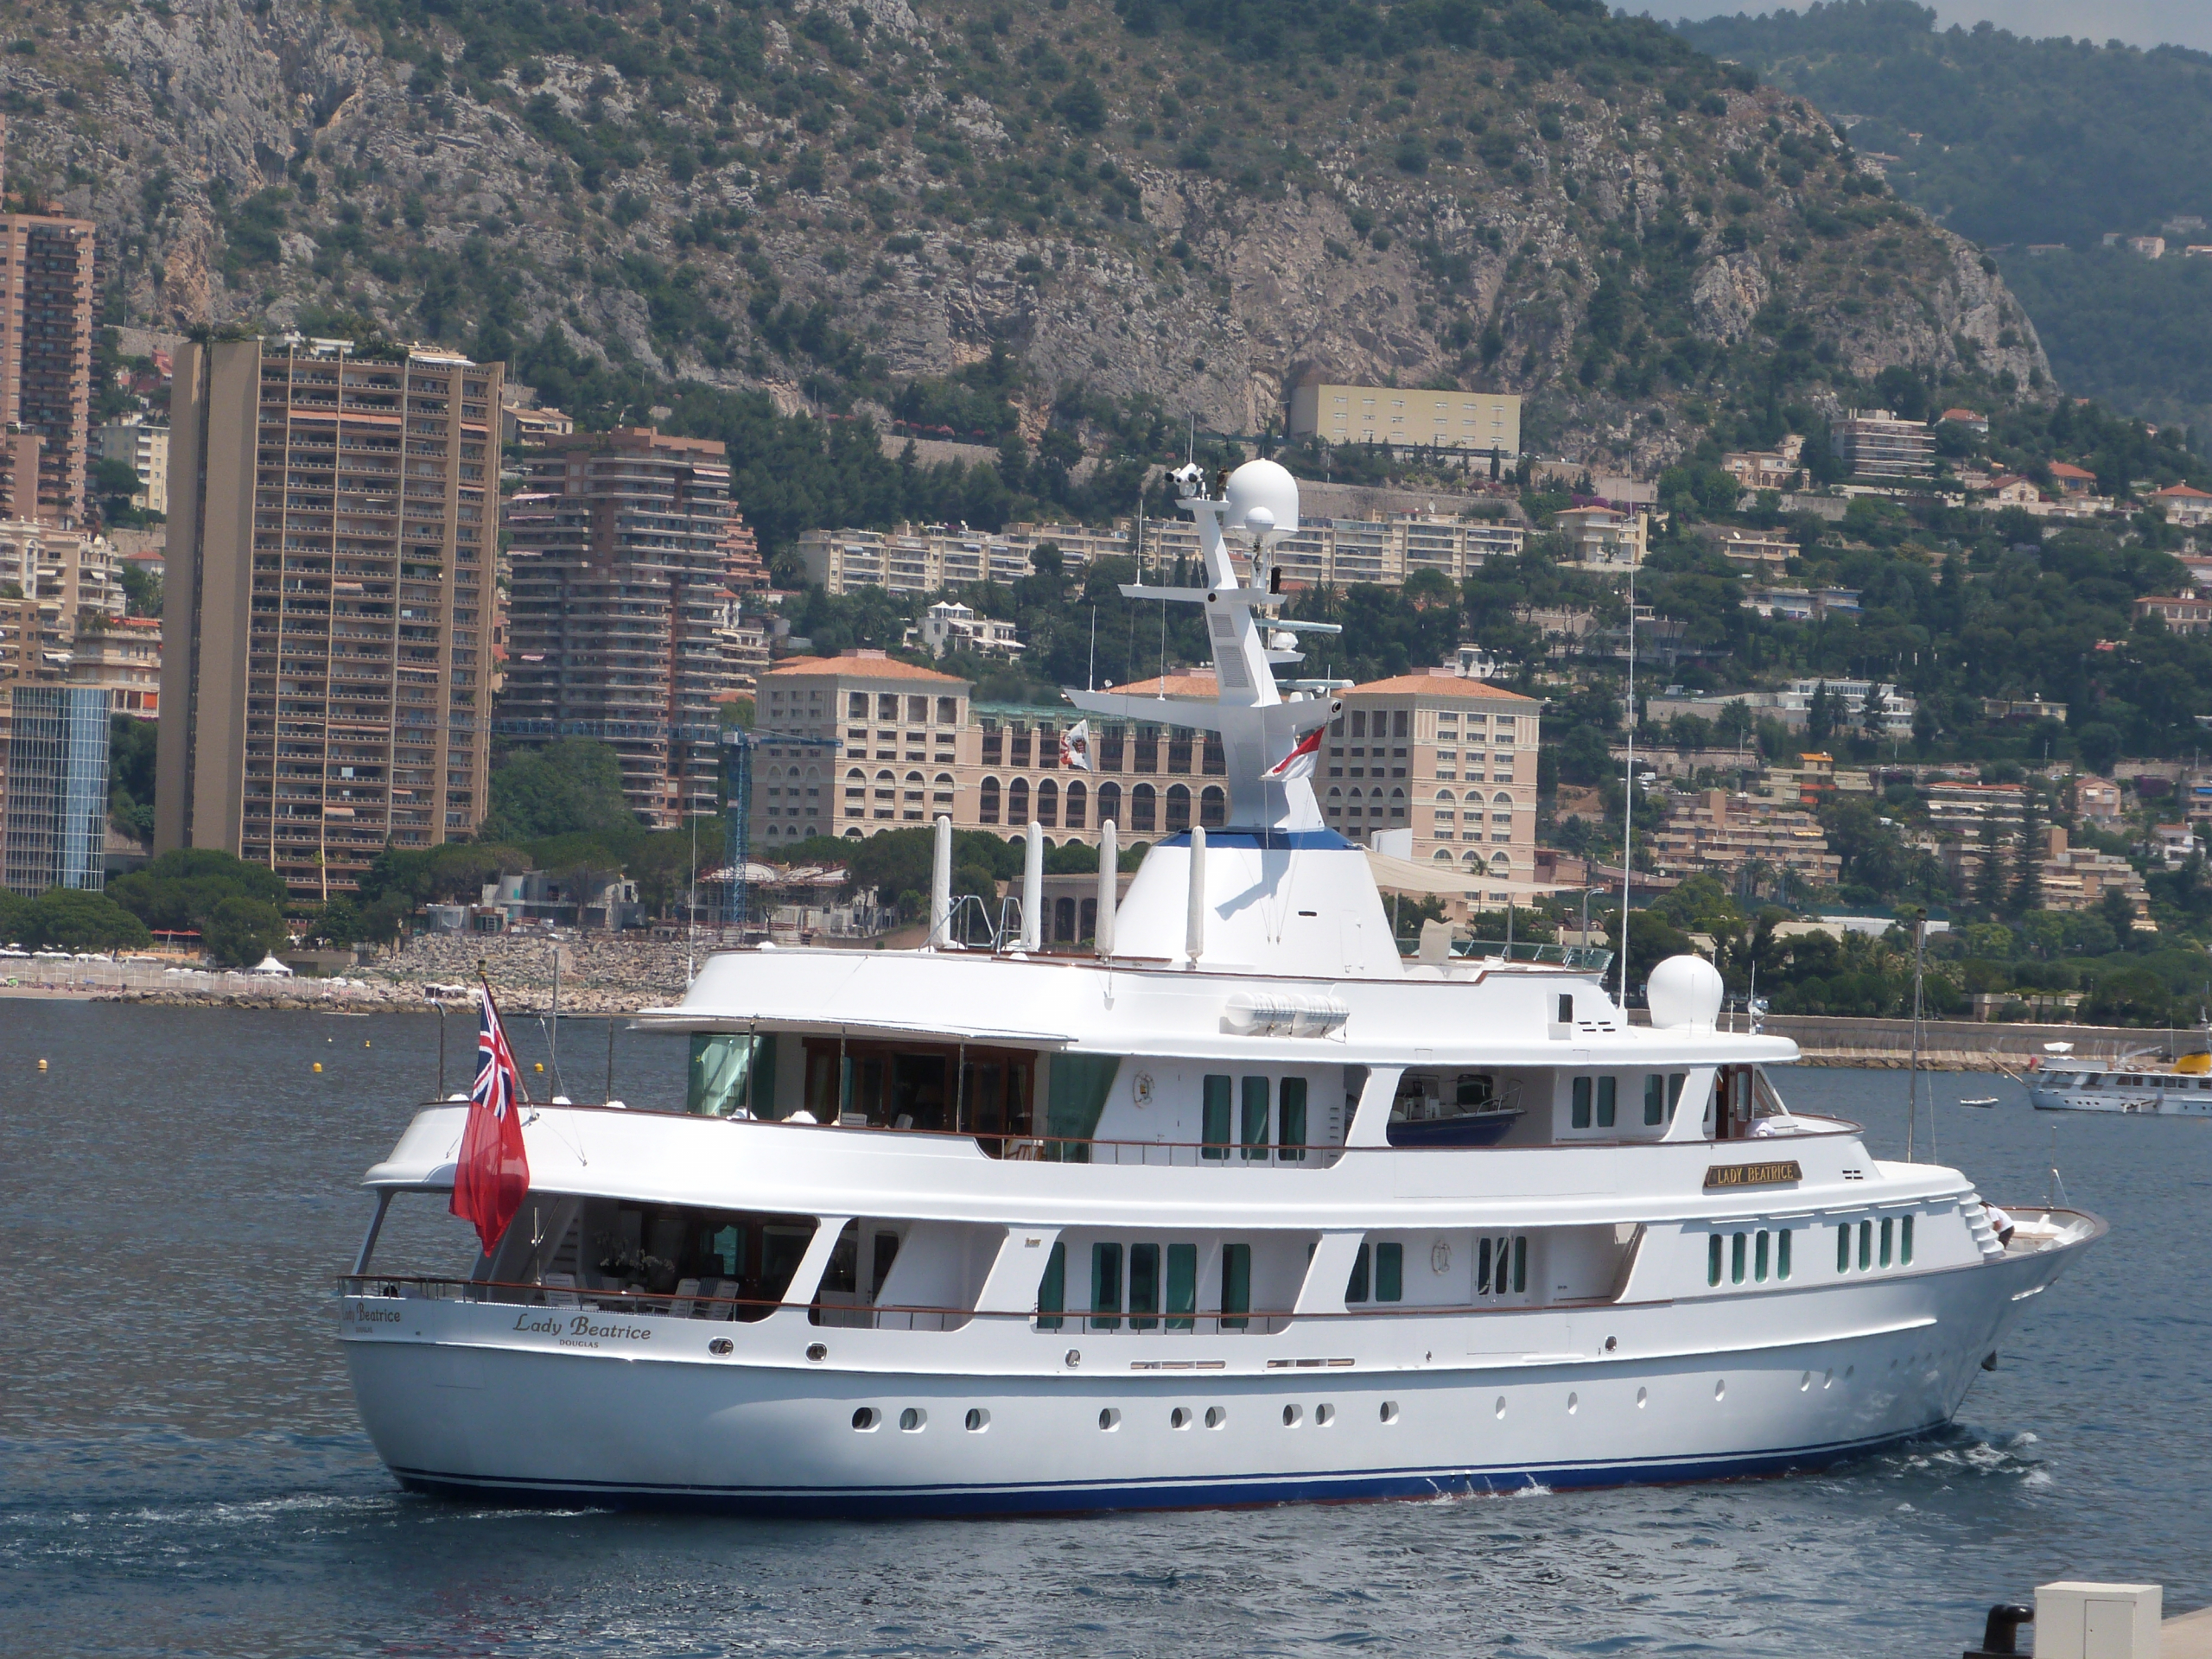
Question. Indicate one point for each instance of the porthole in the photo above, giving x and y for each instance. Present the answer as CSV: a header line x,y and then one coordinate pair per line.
x,y
978,1419
1390,1411
1573,1404
817,1351
1323,1416
914,1419
866,1418
1643,1398
1498,1410
720,1345
1827,1378
1108,1421
1216,1416
1804,1382
1292,1416
1180,1418
1720,1390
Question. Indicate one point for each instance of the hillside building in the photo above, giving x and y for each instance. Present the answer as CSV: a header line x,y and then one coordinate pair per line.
x,y
1483,422
1717,833
1875,443
47,289
142,446
328,601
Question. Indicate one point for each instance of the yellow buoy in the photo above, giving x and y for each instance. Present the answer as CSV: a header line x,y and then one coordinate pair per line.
x,y
42,1065
541,1065
364,1042
318,1065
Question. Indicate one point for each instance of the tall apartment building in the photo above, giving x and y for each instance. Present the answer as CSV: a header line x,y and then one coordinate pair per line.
x,y
46,362
1453,759
54,833
617,587
1397,415
328,616
1874,443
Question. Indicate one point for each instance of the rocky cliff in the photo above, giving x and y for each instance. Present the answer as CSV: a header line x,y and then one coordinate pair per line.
x,y
1195,204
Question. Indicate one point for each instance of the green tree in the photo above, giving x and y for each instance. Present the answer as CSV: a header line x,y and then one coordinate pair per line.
x,y
2100,744
2027,859
572,784
1989,892
178,891
1820,716
63,919
239,932
130,746
1874,715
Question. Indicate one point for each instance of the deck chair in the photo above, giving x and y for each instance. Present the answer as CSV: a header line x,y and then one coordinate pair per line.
x,y
560,1289
680,1306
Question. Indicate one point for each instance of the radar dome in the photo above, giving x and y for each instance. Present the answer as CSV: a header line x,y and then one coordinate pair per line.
x,y
1685,993
1265,487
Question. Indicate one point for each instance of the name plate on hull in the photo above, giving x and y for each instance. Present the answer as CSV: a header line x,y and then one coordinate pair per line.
x,y
1776,1174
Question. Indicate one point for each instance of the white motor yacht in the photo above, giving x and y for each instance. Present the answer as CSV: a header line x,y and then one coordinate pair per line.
x,y
1238,1206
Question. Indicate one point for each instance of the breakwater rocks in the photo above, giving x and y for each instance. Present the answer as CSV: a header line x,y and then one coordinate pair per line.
x,y
612,977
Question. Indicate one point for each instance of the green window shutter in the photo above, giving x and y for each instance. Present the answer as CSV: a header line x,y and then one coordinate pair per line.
x,y
1144,1285
1655,1100
1252,1131
1105,1287
1076,1087
1608,1101
1782,1254
1235,1285
1290,1121
1052,1289
1579,1112
1182,1287
1389,1273
1520,1263
1712,1260
1214,1130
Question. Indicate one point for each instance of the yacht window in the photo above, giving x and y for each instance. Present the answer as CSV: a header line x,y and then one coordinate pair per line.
x,y
1843,1247
1712,1260
1608,1101
1052,1289
1389,1273
1655,1100
1904,1243
886,1253
1736,1259
1865,1245
1674,1082
1144,1285
1235,1285
1889,1227
1182,1287
1355,1286
731,1072
1215,1126
1758,1257
1566,1009
1500,1264
1578,1110
1105,1287
1253,1129
1782,1254
1290,1121
842,1275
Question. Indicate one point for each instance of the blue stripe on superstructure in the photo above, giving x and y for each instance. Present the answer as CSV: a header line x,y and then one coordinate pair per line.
x,y
1078,1497
1267,840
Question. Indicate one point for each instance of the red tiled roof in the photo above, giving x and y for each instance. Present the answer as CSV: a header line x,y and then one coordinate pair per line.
x,y
875,667
1191,683
2179,491
2064,469
1439,685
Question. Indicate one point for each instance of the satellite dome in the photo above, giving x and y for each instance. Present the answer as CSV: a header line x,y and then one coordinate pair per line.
x,y
1685,993
1262,486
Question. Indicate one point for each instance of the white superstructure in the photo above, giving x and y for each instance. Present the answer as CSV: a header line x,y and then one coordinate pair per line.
x,y
2133,1086
1239,1207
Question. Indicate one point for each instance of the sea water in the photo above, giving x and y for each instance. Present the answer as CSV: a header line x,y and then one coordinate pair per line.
x,y
181,1469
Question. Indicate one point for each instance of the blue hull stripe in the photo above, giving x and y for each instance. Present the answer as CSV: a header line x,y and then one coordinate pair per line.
x,y
1078,1497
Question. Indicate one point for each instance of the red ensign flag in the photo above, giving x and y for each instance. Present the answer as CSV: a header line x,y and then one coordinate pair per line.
x,y
493,1173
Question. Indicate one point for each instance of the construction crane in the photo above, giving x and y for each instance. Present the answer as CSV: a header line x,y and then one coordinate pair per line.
x,y
738,745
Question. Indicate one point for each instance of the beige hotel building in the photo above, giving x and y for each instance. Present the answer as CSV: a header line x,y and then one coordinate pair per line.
x,y
1450,758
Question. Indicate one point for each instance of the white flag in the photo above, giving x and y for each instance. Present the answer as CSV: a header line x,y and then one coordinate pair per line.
x,y
1300,762
1075,745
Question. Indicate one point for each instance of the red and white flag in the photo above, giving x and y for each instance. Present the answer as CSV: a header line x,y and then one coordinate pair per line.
x,y
493,1171
1075,745
1298,763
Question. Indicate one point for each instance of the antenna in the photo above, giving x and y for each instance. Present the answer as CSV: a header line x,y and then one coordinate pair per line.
x,y
1090,679
1191,446
1628,802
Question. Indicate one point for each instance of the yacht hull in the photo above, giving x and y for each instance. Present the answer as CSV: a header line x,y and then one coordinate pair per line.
x,y
456,1405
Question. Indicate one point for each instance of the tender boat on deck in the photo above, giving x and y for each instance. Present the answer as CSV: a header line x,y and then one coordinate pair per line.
x,y
1239,1207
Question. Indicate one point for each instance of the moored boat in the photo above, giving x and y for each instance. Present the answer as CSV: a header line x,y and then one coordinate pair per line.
x,y
1236,1206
